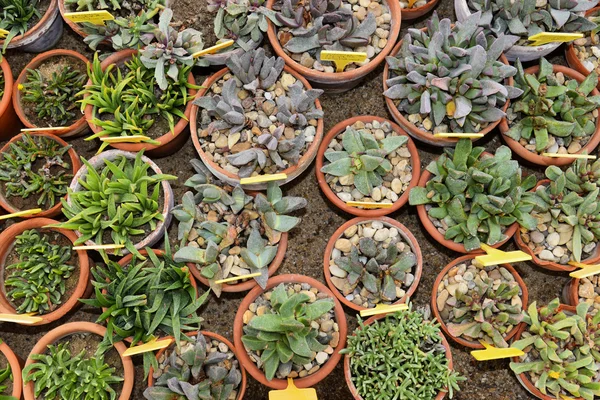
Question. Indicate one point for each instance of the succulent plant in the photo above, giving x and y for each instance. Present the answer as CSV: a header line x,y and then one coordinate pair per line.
x,y
364,157
116,7
451,75
286,334
241,20
476,196
561,351
6,379
582,176
2,83
548,108
15,17
193,372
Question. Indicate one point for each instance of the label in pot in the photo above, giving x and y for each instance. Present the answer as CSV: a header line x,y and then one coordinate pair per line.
x,y
3,33
213,49
342,58
495,256
42,129
383,309
494,353
553,37
237,278
125,139
21,213
93,17
561,155
146,347
459,135
24,319
293,393
585,271
262,178
367,204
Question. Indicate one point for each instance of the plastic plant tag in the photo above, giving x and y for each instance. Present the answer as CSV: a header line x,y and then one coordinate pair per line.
x,y
495,256
553,37
146,347
125,139
3,33
495,353
293,393
558,155
21,213
47,128
383,309
459,135
213,49
93,17
99,247
367,204
342,58
262,178
237,278
24,319
585,271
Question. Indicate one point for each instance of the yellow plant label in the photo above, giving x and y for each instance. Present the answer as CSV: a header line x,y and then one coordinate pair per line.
x,y
99,247
459,135
343,58
125,139
262,178
24,319
93,17
585,271
44,129
293,393
213,49
559,155
552,37
21,213
237,278
494,353
383,309
495,256
3,33
146,347
367,204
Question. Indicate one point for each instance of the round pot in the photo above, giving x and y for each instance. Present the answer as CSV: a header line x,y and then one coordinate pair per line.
x,y
450,244
539,159
169,142
15,366
550,265
43,35
212,336
340,128
98,162
409,14
7,238
233,179
434,294
523,53
258,374
9,122
341,81
60,332
406,235
572,60
423,135
348,375
75,129
55,210
570,294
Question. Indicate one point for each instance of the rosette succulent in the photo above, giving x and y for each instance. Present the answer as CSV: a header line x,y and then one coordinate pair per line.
x,y
244,21
583,176
15,17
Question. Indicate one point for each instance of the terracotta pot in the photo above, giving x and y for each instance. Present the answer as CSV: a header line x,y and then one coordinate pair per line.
x,y
341,81
55,210
423,135
539,159
552,266
406,235
233,179
570,294
7,238
9,122
436,312
211,336
15,366
450,244
78,127
169,142
43,35
409,14
167,194
348,375
340,128
572,60
60,332
251,367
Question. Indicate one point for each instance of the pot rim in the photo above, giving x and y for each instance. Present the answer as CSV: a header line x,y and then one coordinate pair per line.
x,y
6,100
416,12
15,366
572,59
39,25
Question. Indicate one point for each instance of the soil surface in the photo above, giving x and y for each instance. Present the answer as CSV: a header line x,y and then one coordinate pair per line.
x,y
489,380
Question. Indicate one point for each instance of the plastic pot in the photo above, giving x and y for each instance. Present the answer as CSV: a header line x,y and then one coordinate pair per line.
x,y
167,193
55,210
340,128
170,142
233,179
404,233
78,127
348,375
212,336
43,35
535,158
434,294
9,122
259,375
339,82
15,366
409,14
70,328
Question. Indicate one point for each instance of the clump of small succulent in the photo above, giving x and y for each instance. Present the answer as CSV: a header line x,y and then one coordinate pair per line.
x,y
449,78
473,197
35,167
222,229
259,118
284,334
485,304
588,291
374,351
15,17
199,369
553,115
582,176
115,7
6,381
561,351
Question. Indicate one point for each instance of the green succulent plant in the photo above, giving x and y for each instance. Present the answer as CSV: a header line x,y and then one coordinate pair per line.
x,y
364,157
476,195
15,17
20,178
244,21
561,351
582,176
193,372
452,75
116,7
285,334
376,352
6,380
58,374
2,84
547,108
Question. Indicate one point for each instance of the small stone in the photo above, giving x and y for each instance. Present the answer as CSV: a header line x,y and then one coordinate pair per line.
x,y
537,237
241,147
351,231
397,186
427,124
223,348
574,147
335,339
546,255
368,232
381,235
261,310
376,194
375,8
441,299
342,284
221,141
347,180
268,107
306,60
364,3
361,14
586,290
248,315
287,80
462,288
343,245
327,326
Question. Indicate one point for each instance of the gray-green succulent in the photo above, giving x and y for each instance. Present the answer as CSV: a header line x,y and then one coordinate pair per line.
x,y
243,21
